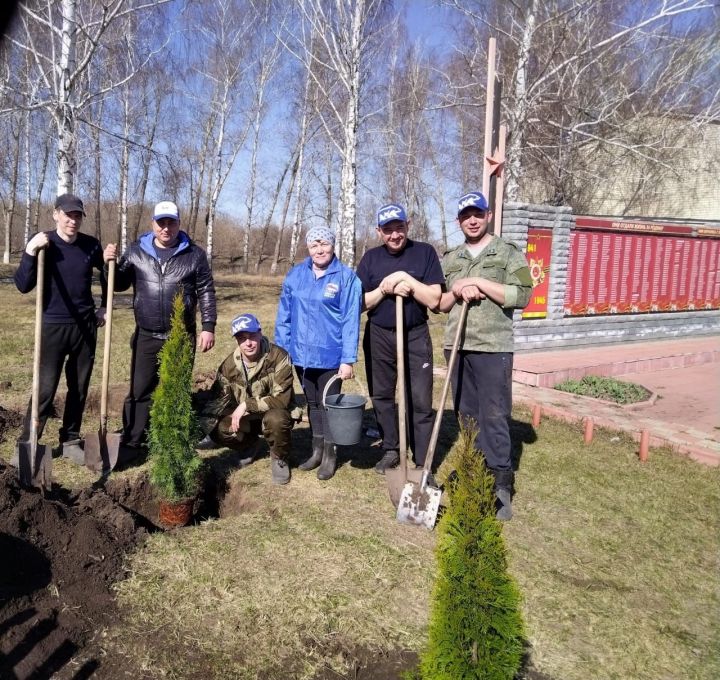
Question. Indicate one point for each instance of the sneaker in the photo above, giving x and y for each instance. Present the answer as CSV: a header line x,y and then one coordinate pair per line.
x,y
207,443
389,460
280,471
503,505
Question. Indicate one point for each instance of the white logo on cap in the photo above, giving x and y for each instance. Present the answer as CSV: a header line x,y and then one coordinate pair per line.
x,y
392,213
242,323
467,201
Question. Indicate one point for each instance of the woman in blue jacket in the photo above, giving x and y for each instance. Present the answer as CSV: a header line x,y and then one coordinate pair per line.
x,y
318,324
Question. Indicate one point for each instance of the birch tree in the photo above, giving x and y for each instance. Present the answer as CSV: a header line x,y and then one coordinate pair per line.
x,y
8,198
336,38
581,74
62,39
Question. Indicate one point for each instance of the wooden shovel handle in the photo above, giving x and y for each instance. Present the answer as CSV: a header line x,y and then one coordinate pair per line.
x,y
35,398
446,388
106,351
402,422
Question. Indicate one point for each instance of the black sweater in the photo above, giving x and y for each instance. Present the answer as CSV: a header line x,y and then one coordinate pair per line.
x,y
67,295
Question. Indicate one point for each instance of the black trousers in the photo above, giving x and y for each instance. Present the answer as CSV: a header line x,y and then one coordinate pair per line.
x,y
380,347
313,381
144,378
72,346
482,391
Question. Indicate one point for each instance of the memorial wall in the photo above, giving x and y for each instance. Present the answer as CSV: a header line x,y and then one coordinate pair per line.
x,y
604,280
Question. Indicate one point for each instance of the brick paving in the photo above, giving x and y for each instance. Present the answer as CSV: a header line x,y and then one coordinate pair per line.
x,y
684,376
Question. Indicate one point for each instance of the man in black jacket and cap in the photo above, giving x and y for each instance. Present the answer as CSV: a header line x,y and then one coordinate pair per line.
x,y
158,265
70,318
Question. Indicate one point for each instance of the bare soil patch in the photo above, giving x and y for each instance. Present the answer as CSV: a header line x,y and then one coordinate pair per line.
x,y
60,558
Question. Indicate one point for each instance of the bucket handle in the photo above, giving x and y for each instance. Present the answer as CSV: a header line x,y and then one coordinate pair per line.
x,y
363,391
327,385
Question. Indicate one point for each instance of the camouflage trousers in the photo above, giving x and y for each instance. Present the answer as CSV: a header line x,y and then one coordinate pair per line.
x,y
275,426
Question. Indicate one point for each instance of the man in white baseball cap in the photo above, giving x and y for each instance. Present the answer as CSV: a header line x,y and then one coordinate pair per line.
x,y
161,263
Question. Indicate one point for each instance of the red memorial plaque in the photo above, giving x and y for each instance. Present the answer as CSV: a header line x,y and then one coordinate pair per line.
x,y
539,250
632,267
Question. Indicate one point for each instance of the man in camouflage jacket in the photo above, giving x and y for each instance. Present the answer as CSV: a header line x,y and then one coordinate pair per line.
x,y
493,277
252,393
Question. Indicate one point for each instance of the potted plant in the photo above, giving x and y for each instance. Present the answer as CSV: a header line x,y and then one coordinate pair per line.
x,y
173,434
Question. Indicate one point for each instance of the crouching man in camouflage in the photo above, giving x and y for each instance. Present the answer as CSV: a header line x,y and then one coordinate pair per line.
x,y
252,393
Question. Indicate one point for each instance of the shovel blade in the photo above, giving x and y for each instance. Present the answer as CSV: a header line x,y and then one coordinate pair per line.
x,y
419,506
396,482
34,464
101,451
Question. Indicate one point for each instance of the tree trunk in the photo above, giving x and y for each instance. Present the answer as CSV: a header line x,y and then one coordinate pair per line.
x,y
124,176
518,117
10,207
292,162
348,174
147,156
28,180
98,174
65,110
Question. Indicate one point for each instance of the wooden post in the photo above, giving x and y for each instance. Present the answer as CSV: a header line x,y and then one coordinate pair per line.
x,y
644,446
489,109
500,180
536,413
589,425
494,144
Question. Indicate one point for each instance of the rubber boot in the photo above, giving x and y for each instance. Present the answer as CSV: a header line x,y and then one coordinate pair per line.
x,y
329,461
503,494
316,456
280,470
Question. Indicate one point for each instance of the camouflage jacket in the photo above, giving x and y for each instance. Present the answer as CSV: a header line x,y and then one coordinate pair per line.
x,y
489,325
263,385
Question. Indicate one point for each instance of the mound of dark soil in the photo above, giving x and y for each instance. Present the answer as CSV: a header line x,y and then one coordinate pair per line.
x,y
59,559
9,420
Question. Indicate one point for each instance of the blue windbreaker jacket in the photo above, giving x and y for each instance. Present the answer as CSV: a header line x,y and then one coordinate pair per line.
x,y
318,320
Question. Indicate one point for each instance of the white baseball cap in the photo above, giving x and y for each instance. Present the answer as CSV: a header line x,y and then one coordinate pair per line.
x,y
166,209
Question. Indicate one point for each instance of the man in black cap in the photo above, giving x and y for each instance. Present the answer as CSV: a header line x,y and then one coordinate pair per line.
x,y
70,319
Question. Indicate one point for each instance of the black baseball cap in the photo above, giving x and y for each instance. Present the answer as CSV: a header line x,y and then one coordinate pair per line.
x,y
69,203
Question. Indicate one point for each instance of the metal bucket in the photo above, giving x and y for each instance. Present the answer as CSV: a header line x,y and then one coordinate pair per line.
x,y
344,415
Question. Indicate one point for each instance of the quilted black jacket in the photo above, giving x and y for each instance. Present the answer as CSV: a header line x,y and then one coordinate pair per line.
x,y
155,285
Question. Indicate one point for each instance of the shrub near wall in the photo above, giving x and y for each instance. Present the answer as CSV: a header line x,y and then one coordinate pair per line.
x,y
476,629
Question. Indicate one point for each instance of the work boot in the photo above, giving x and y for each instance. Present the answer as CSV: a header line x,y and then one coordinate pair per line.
x,y
503,494
316,456
280,471
329,461
389,460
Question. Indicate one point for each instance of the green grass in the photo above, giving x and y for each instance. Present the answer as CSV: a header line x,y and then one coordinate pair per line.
x,y
618,561
609,389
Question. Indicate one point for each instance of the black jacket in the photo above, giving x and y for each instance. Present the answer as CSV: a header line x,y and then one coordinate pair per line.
x,y
155,285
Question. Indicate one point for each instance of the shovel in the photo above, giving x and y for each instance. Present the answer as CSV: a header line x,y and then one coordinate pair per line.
x,y
419,503
101,449
397,477
35,460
